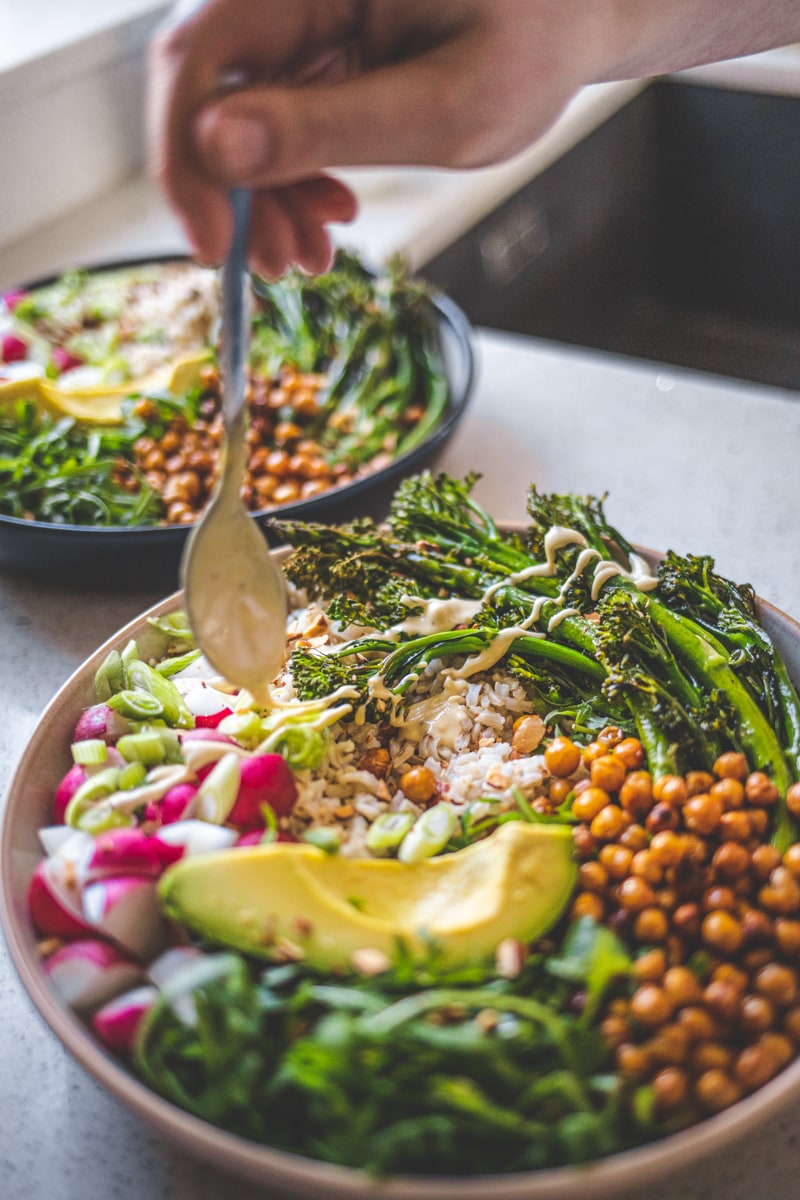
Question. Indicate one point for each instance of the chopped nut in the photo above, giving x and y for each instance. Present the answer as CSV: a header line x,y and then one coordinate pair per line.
x,y
369,961
509,958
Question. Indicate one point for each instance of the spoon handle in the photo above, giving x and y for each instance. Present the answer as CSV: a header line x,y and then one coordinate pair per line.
x,y
235,314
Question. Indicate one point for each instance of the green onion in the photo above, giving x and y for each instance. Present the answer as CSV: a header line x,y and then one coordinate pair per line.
x,y
302,746
102,817
175,625
172,666
219,789
142,677
131,776
324,838
387,831
243,726
110,676
144,747
90,752
95,788
139,706
429,835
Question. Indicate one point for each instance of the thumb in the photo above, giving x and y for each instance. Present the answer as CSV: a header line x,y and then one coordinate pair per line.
x,y
420,111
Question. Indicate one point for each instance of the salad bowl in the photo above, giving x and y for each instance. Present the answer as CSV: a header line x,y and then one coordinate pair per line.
x,y
28,808
146,556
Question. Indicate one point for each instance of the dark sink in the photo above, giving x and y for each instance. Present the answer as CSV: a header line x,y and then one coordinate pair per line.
x,y
671,233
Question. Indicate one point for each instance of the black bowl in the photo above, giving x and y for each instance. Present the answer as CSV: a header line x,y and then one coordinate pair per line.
x,y
148,557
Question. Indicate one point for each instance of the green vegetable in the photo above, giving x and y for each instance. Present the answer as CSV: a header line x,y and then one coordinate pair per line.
x,y
684,667
446,1073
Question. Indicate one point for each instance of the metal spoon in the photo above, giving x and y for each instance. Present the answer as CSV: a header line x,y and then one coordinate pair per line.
x,y
235,592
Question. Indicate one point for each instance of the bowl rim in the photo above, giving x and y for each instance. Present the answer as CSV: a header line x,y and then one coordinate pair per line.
x,y
302,1176
449,316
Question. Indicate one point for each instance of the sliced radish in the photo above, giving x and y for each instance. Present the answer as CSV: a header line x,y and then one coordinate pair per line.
x,y
207,705
125,908
175,805
74,778
198,837
163,968
54,899
100,721
13,348
65,360
89,972
129,851
265,779
116,1023
55,837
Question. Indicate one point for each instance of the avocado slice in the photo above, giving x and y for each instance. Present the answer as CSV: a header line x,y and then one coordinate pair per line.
x,y
514,884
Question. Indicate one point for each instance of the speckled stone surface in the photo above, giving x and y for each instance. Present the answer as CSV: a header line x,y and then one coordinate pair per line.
x,y
690,462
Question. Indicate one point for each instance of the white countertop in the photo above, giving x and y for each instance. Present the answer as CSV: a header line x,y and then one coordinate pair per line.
x,y
690,462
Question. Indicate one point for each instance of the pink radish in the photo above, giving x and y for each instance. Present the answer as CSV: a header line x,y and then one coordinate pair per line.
x,y
163,968
66,789
198,837
100,721
116,1023
175,805
12,299
13,348
128,851
88,972
125,909
65,360
265,779
54,900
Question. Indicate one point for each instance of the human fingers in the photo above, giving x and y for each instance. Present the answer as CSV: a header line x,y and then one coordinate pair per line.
x,y
464,103
287,225
193,53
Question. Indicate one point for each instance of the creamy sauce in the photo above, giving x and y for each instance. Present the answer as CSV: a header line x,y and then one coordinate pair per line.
x,y
437,616
235,594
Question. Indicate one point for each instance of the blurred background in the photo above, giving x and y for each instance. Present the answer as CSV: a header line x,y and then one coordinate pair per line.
x,y
654,220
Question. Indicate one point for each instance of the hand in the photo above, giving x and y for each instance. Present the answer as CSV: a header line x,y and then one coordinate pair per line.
x,y
453,83
457,83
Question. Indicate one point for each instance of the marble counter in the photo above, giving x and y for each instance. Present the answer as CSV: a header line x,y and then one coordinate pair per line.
x,y
691,462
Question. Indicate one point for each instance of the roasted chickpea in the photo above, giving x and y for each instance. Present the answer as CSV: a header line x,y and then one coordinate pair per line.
x,y
616,860
729,791
702,814
793,799
755,1066
787,936
735,826
760,790
682,986
558,791
650,1005
635,894
418,784
782,893
715,1090
636,793
631,752
650,966
698,781
609,823
731,765
791,859
670,1088
662,816
721,931
778,983
588,904
632,1061
607,772
593,876
730,860
562,757
588,803
651,925
756,1014
670,789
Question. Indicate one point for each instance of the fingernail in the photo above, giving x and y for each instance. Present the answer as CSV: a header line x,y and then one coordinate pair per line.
x,y
238,145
